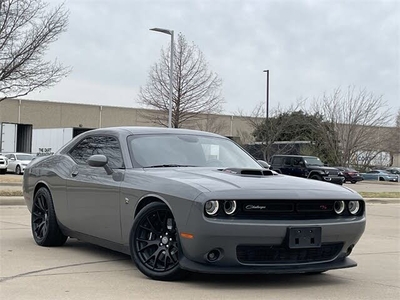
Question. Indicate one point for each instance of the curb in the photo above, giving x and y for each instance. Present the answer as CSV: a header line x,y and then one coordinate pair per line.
x,y
12,200
19,200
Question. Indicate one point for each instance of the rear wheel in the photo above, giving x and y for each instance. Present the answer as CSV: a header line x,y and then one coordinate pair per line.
x,y
154,243
45,229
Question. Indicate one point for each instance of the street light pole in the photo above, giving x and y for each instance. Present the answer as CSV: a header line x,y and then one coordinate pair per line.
x,y
171,33
267,95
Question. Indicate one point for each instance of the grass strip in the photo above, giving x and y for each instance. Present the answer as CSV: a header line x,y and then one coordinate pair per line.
x,y
380,194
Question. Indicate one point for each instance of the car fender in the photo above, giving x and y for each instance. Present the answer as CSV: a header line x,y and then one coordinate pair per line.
x,y
316,172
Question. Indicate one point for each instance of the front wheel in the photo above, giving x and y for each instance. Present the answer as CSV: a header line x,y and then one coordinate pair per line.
x,y
154,243
316,177
18,170
45,229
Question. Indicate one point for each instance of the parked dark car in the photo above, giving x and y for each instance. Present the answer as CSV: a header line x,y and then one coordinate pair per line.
x,y
307,167
350,174
180,200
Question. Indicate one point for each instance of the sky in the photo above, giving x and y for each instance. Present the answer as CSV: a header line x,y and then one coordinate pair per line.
x,y
309,47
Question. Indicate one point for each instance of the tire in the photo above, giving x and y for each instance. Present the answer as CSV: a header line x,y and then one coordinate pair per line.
x,y
154,243
381,179
45,229
18,170
316,177
354,182
3,171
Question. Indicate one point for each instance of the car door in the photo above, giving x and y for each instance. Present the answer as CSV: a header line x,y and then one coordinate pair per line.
x,y
287,167
92,195
299,168
12,162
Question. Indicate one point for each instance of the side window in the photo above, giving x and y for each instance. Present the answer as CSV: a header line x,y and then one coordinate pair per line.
x,y
277,161
106,145
297,161
288,161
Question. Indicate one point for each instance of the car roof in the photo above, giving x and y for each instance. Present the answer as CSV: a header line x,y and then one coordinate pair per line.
x,y
284,155
152,130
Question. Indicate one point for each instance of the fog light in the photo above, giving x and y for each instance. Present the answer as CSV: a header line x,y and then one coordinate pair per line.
x,y
339,207
212,207
349,250
230,207
354,207
213,255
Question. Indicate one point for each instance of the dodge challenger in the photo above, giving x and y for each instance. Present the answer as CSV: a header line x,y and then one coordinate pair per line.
x,y
180,201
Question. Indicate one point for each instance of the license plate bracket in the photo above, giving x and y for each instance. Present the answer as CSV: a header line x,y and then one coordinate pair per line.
x,y
304,237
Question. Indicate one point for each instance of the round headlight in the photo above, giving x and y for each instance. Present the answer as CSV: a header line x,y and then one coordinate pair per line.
x,y
212,207
354,207
339,207
230,207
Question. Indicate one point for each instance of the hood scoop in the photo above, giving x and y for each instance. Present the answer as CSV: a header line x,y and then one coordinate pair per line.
x,y
251,172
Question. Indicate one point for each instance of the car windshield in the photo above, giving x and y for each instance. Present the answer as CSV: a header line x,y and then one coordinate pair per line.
x,y
313,161
24,157
174,150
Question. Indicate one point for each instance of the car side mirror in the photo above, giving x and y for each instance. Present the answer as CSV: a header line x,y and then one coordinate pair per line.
x,y
263,164
99,160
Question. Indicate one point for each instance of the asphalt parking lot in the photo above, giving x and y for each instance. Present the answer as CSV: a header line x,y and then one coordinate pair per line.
x,y
82,271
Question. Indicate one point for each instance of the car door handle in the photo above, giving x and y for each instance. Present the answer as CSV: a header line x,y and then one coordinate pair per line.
x,y
74,173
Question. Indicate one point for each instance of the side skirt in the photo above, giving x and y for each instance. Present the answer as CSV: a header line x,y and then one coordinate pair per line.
x,y
95,240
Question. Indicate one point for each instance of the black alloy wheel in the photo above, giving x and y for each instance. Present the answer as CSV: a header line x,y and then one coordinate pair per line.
x,y
18,170
45,229
154,243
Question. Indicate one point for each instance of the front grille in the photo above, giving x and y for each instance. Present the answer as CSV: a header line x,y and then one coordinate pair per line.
x,y
286,209
279,254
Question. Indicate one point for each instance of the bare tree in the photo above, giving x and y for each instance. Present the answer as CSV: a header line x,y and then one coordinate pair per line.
x,y
354,116
196,89
27,28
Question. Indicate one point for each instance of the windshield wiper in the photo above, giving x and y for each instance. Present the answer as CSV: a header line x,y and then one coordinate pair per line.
x,y
169,166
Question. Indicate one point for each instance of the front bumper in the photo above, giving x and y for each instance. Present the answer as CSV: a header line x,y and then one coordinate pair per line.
x,y
354,178
226,235
334,179
292,269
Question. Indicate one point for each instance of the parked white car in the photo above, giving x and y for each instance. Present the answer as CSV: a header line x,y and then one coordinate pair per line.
x,y
18,161
3,164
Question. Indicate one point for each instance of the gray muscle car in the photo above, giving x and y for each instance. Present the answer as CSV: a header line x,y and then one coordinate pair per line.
x,y
180,200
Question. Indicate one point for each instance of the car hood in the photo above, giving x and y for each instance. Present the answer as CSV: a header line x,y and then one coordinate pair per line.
x,y
213,180
323,168
24,161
